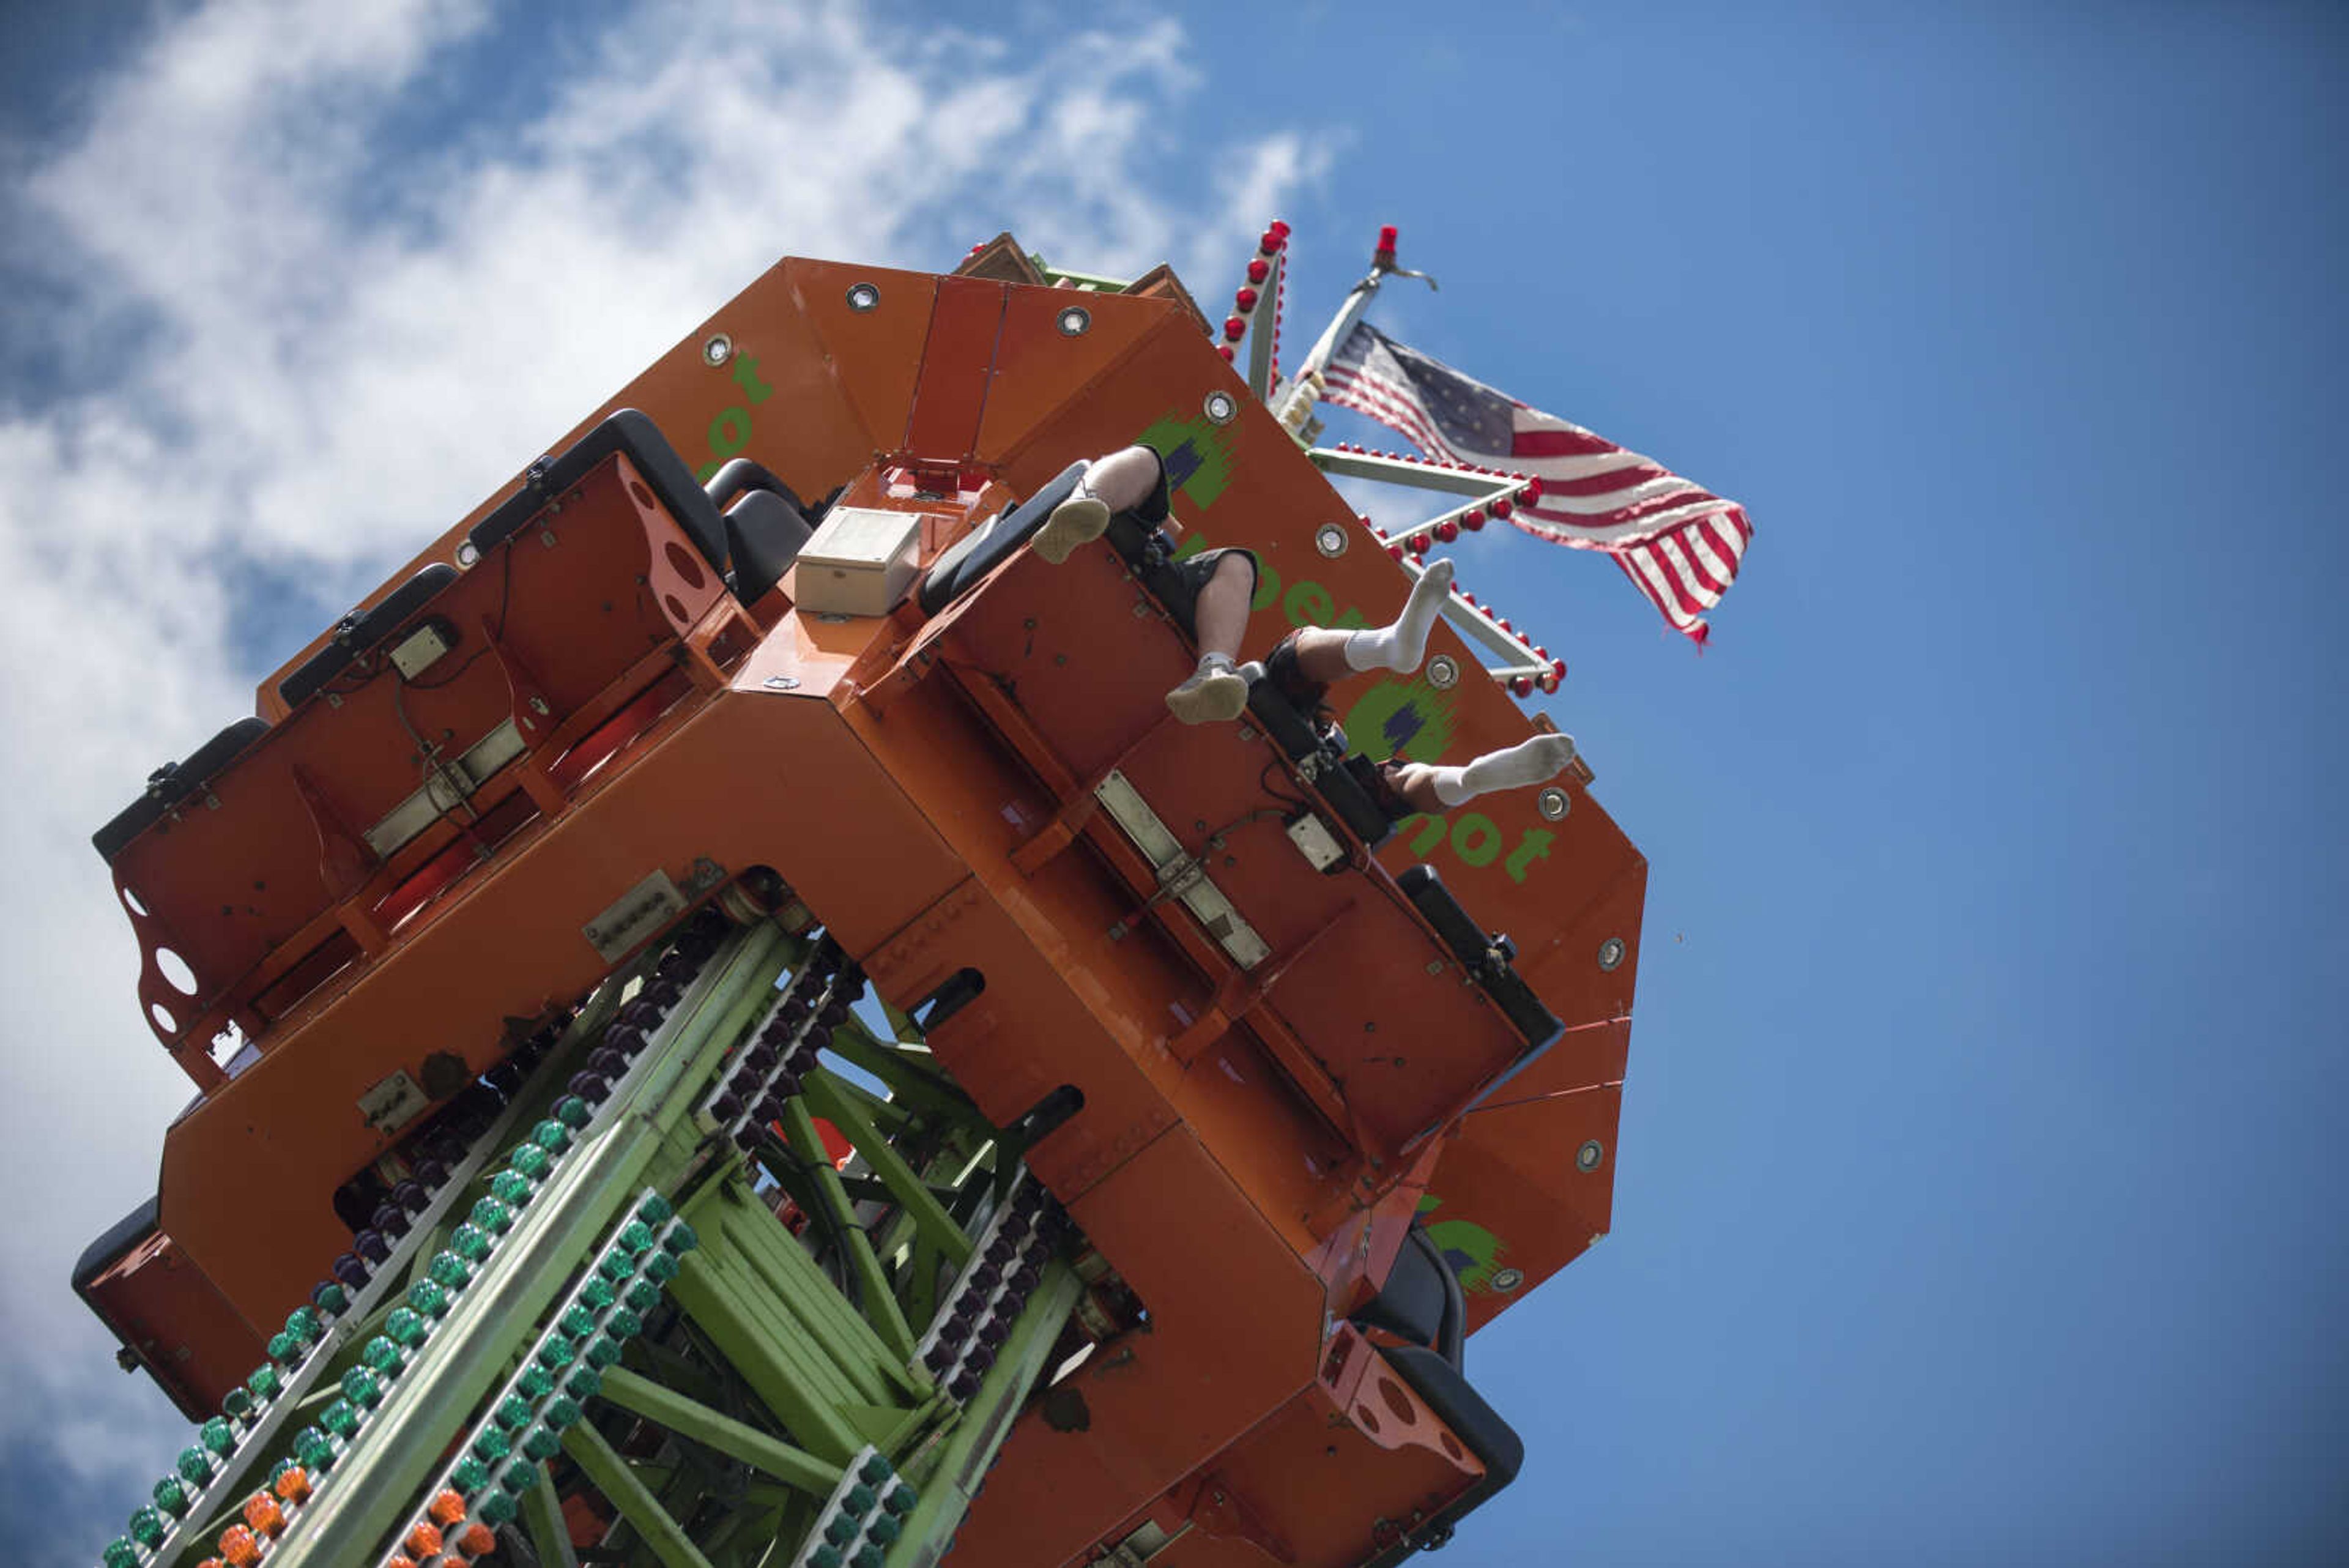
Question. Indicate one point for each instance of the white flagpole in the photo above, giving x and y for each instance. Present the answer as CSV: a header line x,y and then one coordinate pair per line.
x,y
1305,386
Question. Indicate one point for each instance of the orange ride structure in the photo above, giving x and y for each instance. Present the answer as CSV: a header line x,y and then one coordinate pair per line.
x,y
733,1026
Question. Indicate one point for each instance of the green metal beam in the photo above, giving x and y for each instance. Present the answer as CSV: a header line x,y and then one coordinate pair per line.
x,y
663,1536
881,1309
541,1516
826,1095
707,1427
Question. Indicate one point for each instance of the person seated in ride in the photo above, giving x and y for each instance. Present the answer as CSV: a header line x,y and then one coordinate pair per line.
x,y
1306,663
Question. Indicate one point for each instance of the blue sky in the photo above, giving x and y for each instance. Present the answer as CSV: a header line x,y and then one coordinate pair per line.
x,y
1976,1198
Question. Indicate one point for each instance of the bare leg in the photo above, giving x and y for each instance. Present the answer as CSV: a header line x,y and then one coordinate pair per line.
x,y
1437,790
1117,483
1217,689
1326,657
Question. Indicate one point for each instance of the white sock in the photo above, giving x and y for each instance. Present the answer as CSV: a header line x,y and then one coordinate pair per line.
x,y
1528,763
1402,646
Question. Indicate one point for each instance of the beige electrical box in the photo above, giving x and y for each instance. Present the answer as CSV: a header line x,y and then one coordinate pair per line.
x,y
859,562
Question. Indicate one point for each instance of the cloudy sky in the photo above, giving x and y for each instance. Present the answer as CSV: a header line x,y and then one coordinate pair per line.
x,y
1977,1198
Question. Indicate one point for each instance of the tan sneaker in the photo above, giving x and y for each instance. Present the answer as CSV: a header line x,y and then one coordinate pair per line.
x,y
1217,693
1079,520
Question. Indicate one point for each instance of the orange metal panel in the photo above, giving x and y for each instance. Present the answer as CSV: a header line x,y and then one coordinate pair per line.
x,y
1040,369
958,361
752,778
877,354
1235,1326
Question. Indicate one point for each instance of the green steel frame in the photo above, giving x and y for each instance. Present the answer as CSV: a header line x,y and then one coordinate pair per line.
x,y
647,1334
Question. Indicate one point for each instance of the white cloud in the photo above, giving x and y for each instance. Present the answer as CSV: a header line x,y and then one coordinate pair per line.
x,y
323,341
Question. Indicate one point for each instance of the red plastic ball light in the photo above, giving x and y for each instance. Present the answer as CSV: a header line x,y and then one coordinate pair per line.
x,y
1504,506
1523,685
1225,350
1419,544
1465,595
1532,492
1549,681
1447,530
1234,326
1473,519
1558,667
1387,237
1280,228
1270,243
1503,624
1259,270
1396,551
1246,299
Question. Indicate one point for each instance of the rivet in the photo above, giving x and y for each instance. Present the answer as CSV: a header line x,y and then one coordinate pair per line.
x,y
1220,408
1442,673
1553,802
1588,1156
1330,539
1611,953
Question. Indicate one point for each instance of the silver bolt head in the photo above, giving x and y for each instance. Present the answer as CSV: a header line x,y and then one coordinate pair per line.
x,y
1506,1279
1553,802
1220,408
1444,672
1330,539
1611,953
1589,1156
864,296
717,350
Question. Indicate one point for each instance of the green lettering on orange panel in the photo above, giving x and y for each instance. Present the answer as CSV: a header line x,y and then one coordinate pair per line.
x,y
1198,463
1473,1252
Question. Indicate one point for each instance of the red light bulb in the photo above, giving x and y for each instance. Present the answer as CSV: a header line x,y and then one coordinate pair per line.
x,y
1532,492
1234,326
1387,240
1503,506
1258,269
1473,519
1523,685
1246,299
1549,681
1447,530
1225,350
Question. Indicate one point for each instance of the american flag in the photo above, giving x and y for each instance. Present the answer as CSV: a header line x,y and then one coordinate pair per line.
x,y
1679,544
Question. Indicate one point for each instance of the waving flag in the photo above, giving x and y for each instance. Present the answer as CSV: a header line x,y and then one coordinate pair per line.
x,y
1679,542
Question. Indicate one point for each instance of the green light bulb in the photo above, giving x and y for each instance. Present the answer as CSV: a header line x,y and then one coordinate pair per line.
x,y
513,1413
825,1556
584,1383
551,1136
660,1268
426,1296
449,1272
311,1447
635,1237
492,1445
868,1556
382,1355
536,1383
654,1208
643,1296
121,1554
264,1382
540,1443
237,1404
495,1509
625,1323
597,1293
555,1354
859,1501
341,1418
884,1529
170,1496
560,1412
470,1474
493,1216
899,1499
839,1530
148,1528
874,1470
531,1161
284,1347
362,1388
470,1243
509,1187
602,1351
577,1322
304,1325
573,1112
332,1298
679,1238
518,1478
406,1326
218,1436
616,1266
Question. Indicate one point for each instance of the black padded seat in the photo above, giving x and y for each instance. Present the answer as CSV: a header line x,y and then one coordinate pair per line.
x,y
968,560
1447,1392
764,533
663,470
174,782
115,1242
743,474
1484,958
362,629
1422,1299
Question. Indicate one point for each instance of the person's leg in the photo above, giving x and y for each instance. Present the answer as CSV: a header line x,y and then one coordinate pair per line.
x,y
1437,790
1119,482
1219,616
1330,657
